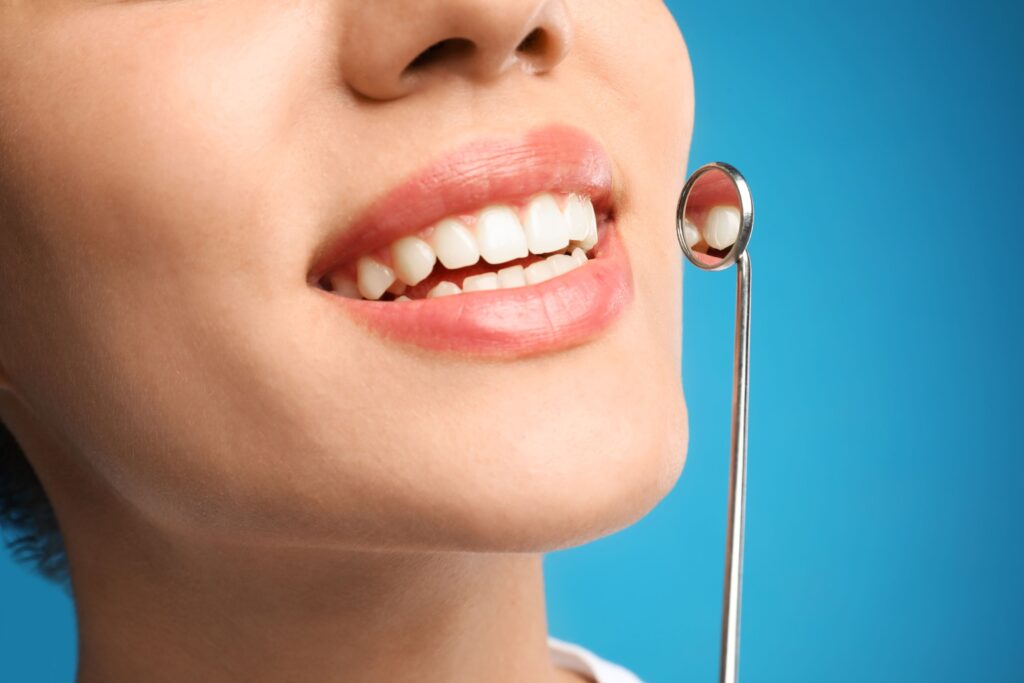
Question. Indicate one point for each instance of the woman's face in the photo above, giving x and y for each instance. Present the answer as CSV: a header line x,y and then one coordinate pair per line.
x,y
172,172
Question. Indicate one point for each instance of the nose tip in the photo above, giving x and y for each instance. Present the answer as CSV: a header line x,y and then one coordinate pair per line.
x,y
390,54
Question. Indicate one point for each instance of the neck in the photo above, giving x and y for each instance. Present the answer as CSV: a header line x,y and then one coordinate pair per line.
x,y
157,606
214,615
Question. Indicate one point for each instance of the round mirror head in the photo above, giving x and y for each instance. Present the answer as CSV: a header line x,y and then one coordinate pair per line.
x,y
715,216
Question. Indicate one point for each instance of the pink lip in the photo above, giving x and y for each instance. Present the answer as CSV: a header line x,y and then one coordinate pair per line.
x,y
564,311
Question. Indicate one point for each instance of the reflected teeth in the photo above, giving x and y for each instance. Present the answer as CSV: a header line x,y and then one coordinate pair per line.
x,y
498,234
722,227
690,233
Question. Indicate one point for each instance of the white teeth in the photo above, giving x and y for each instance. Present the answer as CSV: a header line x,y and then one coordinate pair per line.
x,y
590,239
403,298
413,259
373,277
511,277
454,244
476,283
579,214
499,235
538,272
562,263
443,288
722,227
546,227
690,233
343,286
496,235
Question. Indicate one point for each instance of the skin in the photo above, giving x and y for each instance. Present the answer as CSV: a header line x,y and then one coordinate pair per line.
x,y
250,488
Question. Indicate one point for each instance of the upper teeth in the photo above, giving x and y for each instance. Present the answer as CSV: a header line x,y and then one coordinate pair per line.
x,y
498,233
722,227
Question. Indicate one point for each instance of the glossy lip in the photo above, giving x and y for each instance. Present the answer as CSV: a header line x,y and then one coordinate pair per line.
x,y
561,312
555,158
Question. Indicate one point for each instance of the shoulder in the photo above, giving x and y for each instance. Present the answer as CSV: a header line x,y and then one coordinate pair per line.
x,y
581,660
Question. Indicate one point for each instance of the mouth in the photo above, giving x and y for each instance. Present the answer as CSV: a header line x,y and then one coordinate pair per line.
x,y
506,246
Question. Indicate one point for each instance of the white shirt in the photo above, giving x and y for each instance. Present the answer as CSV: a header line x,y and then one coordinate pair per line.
x,y
581,660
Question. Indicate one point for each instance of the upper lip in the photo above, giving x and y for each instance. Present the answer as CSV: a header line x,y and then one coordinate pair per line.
x,y
553,158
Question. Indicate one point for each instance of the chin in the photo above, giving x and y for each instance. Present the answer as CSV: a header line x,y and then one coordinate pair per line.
x,y
570,489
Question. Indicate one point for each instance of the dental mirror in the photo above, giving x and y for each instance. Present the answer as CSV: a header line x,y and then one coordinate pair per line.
x,y
714,220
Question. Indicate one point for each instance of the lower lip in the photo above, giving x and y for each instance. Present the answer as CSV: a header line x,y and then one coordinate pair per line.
x,y
567,310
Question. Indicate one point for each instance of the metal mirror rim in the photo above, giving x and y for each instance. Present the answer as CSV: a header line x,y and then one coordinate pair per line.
x,y
746,215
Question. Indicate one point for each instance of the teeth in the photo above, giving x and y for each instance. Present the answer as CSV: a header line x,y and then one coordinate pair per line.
x,y
690,233
538,272
562,263
722,227
454,244
476,283
496,235
443,288
579,211
413,259
579,214
546,227
511,277
343,286
500,236
373,277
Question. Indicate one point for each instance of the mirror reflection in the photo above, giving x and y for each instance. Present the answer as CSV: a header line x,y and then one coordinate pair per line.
x,y
712,217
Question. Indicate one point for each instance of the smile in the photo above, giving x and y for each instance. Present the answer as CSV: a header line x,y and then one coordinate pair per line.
x,y
508,246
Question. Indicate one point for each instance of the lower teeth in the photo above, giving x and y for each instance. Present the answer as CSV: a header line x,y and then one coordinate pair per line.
x,y
508,277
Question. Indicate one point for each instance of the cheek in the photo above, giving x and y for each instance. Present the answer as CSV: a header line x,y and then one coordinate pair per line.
x,y
133,202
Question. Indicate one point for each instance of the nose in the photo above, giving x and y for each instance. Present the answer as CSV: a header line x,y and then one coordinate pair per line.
x,y
391,48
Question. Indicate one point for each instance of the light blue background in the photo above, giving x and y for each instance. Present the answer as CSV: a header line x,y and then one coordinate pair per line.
x,y
886,503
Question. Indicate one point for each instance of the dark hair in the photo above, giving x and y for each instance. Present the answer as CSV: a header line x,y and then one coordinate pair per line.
x,y
28,525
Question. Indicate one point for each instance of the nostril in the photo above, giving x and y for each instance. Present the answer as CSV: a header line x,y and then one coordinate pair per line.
x,y
536,43
445,50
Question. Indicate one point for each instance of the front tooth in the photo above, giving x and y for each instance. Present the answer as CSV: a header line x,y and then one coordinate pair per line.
x,y
546,227
579,214
562,263
579,255
403,298
722,227
500,236
476,283
443,288
373,277
513,276
538,272
413,258
691,235
454,244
